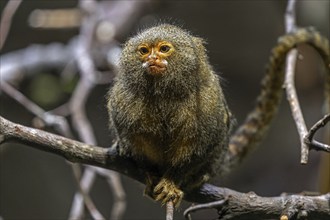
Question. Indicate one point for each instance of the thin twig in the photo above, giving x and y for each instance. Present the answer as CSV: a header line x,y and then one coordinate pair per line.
x,y
6,18
321,123
211,205
313,144
169,210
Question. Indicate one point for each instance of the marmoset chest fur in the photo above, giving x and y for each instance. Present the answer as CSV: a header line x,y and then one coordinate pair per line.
x,y
167,108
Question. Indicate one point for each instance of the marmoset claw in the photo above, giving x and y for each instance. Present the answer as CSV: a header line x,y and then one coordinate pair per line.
x,y
166,191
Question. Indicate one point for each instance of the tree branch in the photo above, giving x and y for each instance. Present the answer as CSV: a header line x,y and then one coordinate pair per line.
x,y
294,103
6,18
73,151
238,205
305,136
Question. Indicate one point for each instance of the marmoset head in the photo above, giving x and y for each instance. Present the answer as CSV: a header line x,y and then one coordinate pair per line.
x,y
163,57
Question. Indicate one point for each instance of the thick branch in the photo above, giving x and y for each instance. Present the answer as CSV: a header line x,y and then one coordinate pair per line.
x,y
251,206
244,206
238,205
73,151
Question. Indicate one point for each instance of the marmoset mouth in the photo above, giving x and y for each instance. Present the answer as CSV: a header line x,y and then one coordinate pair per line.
x,y
155,67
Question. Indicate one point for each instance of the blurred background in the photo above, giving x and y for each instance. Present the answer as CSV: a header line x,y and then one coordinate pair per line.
x,y
239,36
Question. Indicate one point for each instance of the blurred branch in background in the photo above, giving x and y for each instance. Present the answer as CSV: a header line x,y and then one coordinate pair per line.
x,y
6,18
56,18
99,23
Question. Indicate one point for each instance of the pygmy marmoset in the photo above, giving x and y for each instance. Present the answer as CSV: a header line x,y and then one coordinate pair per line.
x,y
168,111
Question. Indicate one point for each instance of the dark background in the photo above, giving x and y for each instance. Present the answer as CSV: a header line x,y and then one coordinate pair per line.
x,y
239,35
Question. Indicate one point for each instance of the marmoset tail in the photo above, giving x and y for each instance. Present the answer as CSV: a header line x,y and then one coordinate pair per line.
x,y
168,111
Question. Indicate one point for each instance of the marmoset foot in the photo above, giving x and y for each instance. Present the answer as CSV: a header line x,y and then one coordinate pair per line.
x,y
166,191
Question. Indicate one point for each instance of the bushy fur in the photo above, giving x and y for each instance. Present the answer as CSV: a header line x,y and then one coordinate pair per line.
x,y
177,123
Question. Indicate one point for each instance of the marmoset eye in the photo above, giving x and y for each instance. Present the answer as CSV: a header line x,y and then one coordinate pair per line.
x,y
164,48
143,50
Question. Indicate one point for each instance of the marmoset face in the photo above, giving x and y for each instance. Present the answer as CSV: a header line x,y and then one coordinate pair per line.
x,y
161,51
154,56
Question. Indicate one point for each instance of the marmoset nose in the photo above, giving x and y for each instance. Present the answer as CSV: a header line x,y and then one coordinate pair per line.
x,y
153,55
